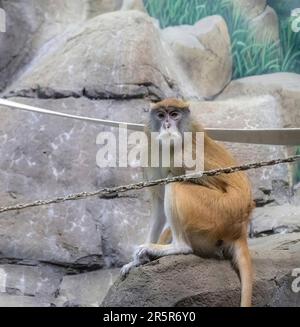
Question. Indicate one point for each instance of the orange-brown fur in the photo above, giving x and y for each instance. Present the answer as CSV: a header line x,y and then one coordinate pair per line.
x,y
203,218
170,103
218,210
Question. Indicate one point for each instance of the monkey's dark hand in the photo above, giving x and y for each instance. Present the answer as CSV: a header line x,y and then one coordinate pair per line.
x,y
141,256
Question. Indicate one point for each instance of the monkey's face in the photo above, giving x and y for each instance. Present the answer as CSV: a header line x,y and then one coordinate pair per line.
x,y
169,122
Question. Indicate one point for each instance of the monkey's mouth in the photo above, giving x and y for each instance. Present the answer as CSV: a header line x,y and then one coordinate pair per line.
x,y
169,135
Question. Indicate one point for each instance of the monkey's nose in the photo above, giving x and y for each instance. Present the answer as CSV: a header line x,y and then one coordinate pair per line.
x,y
167,125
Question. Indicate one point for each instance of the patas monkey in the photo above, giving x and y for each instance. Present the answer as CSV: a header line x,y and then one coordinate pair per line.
x,y
203,219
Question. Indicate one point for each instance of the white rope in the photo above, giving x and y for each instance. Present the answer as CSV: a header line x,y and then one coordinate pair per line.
x,y
280,136
15,105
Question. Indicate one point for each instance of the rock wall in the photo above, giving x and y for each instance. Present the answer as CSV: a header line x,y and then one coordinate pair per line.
x,y
88,58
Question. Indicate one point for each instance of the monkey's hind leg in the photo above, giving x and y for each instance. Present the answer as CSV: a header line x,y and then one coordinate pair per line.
x,y
243,262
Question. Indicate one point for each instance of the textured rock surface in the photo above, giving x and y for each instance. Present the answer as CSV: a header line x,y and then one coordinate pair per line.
x,y
203,51
284,246
41,281
124,226
115,55
86,289
193,281
30,25
13,301
28,284
275,219
38,27
58,156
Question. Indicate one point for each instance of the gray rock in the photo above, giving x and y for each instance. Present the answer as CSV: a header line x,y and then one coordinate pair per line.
x,y
275,219
284,246
203,51
124,226
7,301
35,281
193,281
15,44
57,157
87,289
115,55
35,28
30,25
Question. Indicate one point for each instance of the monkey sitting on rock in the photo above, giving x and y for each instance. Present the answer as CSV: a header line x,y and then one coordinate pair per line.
x,y
203,218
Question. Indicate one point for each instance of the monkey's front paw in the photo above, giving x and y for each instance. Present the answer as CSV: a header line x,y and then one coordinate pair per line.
x,y
144,254
126,269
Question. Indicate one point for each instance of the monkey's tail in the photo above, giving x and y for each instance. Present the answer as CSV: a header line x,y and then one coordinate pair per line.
x,y
243,262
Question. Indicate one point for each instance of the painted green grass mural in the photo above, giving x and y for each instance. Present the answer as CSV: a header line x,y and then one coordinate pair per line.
x,y
249,56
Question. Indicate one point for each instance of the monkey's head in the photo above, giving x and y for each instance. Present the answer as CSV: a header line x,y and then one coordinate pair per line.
x,y
170,118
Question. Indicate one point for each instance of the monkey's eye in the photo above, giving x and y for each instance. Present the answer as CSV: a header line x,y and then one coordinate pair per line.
x,y
175,115
161,116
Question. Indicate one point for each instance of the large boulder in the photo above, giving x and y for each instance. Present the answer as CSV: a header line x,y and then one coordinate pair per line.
x,y
38,27
275,219
114,55
30,25
204,52
192,281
